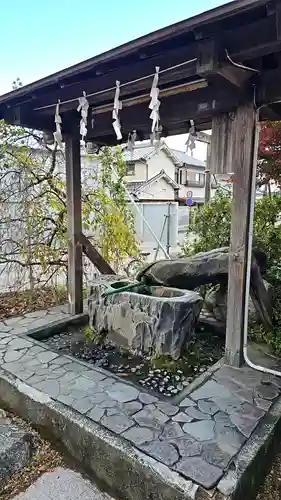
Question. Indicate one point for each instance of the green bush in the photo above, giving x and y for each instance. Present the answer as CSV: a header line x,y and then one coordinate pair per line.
x,y
210,226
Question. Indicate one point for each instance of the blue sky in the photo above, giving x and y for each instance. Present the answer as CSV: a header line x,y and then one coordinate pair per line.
x,y
41,38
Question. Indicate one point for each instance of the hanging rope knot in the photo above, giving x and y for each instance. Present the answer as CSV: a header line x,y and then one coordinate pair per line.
x,y
115,113
131,142
154,105
83,108
58,121
190,143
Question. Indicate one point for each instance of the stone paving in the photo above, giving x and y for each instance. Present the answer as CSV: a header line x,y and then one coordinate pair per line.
x,y
198,438
62,484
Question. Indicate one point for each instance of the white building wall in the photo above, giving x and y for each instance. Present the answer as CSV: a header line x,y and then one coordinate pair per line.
x,y
159,190
161,162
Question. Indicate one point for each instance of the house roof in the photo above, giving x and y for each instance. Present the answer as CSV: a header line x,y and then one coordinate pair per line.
x,y
187,160
135,187
144,151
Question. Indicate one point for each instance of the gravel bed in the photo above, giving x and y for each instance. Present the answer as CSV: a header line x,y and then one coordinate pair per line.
x,y
163,375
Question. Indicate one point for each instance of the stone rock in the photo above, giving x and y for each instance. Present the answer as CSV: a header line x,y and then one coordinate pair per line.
x,y
216,303
158,319
96,413
117,423
162,451
265,391
205,268
210,390
202,430
182,418
146,398
214,455
167,408
207,407
187,402
150,417
141,435
123,393
228,438
132,407
15,450
199,471
196,414
187,446
172,430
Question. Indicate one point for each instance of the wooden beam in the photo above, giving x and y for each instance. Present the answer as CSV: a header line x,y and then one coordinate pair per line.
x,y
242,150
74,224
94,256
221,144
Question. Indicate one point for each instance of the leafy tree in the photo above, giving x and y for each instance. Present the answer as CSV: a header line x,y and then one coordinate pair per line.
x,y
269,164
210,226
33,218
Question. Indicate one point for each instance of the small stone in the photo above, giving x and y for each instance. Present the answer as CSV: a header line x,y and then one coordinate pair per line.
x,y
46,356
12,356
117,423
167,408
82,405
140,435
187,446
228,438
187,402
210,389
207,407
196,414
202,430
147,398
172,430
123,393
182,418
214,455
223,418
96,413
263,403
199,471
267,391
150,417
162,451
132,407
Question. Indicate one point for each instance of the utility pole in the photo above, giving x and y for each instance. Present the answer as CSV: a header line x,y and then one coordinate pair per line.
x,y
206,139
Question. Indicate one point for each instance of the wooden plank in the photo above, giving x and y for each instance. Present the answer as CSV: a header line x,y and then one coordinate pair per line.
x,y
222,144
95,257
74,224
241,144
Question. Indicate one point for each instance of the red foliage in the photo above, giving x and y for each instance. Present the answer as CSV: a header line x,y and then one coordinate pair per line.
x,y
270,141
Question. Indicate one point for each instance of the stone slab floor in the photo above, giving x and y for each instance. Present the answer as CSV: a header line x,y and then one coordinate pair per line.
x,y
62,484
200,438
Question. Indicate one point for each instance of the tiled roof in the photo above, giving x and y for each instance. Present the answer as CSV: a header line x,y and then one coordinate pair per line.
x,y
144,150
133,187
141,152
185,159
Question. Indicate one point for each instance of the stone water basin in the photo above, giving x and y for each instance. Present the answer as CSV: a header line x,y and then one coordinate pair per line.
x,y
147,319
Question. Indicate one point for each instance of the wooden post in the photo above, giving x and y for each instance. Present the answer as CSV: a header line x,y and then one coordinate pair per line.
x,y
241,144
208,175
74,224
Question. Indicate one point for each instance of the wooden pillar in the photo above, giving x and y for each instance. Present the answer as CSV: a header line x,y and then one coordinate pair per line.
x,y
208,180
74,224
241,144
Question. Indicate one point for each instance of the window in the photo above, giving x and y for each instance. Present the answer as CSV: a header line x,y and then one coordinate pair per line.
x,y
130,169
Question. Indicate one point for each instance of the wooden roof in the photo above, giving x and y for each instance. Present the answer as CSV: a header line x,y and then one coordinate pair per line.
x,y
200,75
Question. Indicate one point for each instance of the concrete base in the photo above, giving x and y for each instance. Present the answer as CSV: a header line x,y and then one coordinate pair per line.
x,y
15,449
216,441
62,484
